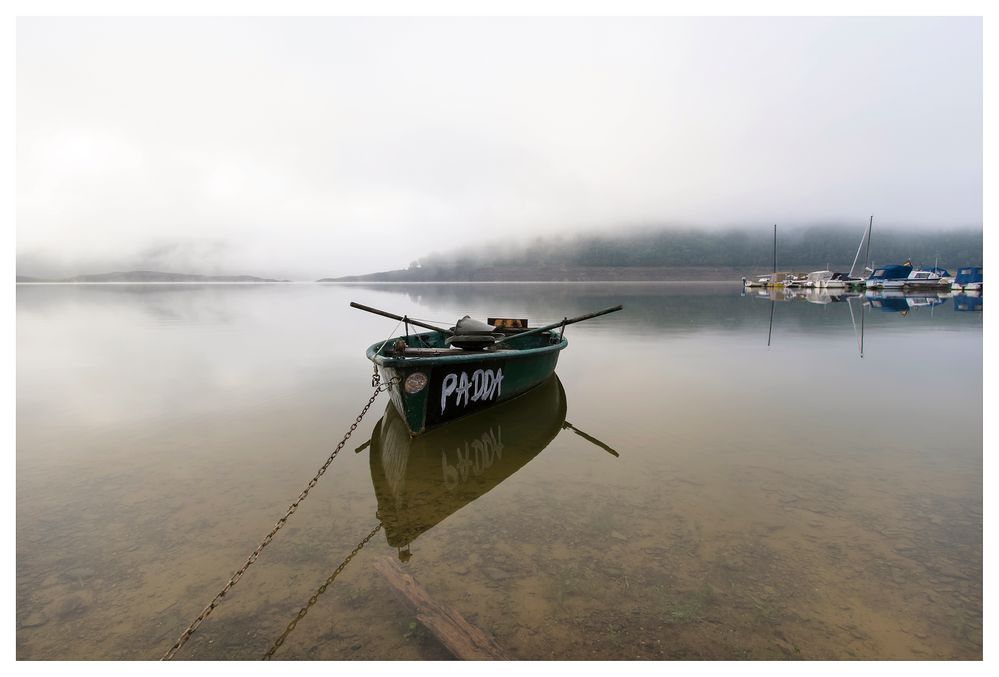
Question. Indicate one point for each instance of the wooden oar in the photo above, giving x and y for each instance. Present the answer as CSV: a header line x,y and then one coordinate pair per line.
x,y
413,322
561,323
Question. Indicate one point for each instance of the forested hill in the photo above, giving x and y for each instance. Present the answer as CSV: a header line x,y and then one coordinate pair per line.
x,y
684,255
742,248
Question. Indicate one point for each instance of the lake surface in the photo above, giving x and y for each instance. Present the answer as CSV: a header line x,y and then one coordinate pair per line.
x,y
785,501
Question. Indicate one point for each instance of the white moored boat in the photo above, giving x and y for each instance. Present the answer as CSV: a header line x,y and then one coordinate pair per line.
x,y
827,279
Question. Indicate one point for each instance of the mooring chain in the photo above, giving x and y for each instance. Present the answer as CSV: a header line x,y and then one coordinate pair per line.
x,y
186,635
319,591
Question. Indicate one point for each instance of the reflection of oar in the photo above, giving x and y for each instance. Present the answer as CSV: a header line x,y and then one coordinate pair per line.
x,y
589,438
562,323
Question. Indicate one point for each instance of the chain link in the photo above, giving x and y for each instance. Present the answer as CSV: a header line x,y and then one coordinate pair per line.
x,y
186,635
322,588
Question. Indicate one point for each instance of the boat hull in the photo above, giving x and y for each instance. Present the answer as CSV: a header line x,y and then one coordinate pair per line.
x,y
431,391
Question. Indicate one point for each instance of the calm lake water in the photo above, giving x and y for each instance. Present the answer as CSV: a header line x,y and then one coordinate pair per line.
x,y
790,501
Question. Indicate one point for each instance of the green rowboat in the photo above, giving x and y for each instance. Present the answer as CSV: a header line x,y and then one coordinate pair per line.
x,y
446,374
433,384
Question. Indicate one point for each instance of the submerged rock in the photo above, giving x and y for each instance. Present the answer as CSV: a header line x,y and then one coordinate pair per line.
x,y
70,606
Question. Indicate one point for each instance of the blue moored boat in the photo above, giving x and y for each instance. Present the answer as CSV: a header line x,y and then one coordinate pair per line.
x,y
887,274
968,278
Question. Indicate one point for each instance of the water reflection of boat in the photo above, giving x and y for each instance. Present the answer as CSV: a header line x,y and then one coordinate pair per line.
x,y
888,302
824,296
421,481
923,301
896,301
967,302
820,296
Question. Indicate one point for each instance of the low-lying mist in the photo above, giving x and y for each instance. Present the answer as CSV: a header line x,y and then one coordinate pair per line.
x,y
729,247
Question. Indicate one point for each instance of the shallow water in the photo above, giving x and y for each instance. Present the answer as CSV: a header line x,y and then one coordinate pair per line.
x,y
790,501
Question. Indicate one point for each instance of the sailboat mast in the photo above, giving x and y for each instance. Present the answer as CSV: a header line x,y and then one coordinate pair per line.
x,y
867,256
775,252
863,238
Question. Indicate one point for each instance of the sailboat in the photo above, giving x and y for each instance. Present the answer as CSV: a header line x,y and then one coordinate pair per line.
x,y
852,281
774,279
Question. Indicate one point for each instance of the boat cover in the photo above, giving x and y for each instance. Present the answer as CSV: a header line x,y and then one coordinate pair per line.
x,y
968,275
892,272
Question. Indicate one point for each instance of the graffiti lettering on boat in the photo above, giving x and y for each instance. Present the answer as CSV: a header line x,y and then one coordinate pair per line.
x,y
482,385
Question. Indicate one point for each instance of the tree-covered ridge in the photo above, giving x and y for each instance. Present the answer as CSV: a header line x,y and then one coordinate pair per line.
x,y
723,248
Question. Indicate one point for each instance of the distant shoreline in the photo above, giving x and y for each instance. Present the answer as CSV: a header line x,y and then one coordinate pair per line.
x,y
361,283
146,277
430,282
130,283
560,274
417,276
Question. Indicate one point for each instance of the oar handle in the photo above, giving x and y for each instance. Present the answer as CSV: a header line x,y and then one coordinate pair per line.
x,y
415,323
562,323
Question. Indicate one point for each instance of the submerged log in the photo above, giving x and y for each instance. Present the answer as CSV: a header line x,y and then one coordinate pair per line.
x,y
461,638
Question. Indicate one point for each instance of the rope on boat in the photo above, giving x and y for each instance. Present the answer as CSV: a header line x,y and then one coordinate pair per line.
x,y
186,635
389,337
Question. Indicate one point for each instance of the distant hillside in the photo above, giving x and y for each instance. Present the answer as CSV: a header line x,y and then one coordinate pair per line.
x,y
486,273
683,254
150,276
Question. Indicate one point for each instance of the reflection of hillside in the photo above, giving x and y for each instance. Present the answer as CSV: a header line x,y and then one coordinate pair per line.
x,y
198,303
673,308
421,481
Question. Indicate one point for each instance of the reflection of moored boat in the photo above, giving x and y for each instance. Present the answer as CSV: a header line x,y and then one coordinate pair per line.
x,y
897,301
811,295
967,302
888,302
826,295
923,301
421,481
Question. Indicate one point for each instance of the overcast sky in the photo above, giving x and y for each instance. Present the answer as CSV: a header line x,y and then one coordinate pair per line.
x,y
319,147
